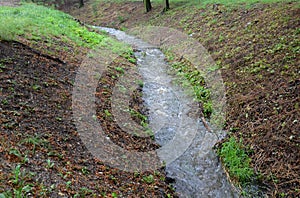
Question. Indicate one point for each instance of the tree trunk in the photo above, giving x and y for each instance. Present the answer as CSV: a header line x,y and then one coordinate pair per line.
x,y
167,5
81,4
147,4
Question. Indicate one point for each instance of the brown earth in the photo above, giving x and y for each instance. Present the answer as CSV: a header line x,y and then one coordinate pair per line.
x,y
38,131
257,49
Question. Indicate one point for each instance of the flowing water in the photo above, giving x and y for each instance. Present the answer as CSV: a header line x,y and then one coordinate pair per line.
x,y
187,144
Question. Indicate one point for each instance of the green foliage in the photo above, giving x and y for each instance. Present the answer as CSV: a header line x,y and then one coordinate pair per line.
x,y
20,186
236,160
139,116
191,78
148,179
39,23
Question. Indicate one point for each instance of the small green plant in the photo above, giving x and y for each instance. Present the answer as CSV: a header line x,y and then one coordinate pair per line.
x,y
107,113
114,194
83,192
148,179
18,154
36,87
68,184
85,171
139,116
35,141
191,78
49,164
120,69
2,67
4,102
236,160
140,83
121,19
18,179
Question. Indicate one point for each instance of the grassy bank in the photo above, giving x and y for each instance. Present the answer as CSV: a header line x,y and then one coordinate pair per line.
x,y
45,28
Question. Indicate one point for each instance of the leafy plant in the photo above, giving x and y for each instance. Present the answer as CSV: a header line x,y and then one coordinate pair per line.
x,y
120,69
236,160
19,181
35,141
114,194
148,179
49,163
18,154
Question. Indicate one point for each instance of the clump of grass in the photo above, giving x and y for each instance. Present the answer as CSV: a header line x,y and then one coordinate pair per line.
x,y
236,161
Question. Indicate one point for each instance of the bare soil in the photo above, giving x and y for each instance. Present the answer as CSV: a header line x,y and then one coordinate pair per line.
x,y
38,132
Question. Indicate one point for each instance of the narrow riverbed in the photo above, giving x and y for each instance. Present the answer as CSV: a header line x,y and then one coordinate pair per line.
x,y
186,144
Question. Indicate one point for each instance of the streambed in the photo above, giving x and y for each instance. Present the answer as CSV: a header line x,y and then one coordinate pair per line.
x,y
187,144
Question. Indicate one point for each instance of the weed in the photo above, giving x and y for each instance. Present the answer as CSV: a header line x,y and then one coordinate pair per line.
x,y
148,179
139,116
36,87
2,67
236,160
121,19
83,192
68,184
18,154
107,113
85,171
58,118
140,83
136,173
120,69
4,102
191,78
49,164
114,194
35,141
18,180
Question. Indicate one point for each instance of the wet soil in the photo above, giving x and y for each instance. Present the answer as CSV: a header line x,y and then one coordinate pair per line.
x,y
38,133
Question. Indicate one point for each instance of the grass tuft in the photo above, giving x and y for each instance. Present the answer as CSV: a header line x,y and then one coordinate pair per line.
x,y
236,161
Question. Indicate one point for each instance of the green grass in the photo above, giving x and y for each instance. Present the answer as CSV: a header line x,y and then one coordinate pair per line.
x,y
236,161
38,23
19,181
193,80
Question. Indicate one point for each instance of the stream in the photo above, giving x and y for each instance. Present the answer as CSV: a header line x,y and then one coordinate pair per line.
x,y
187,144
